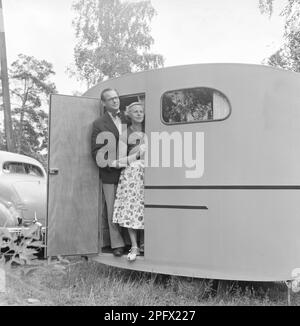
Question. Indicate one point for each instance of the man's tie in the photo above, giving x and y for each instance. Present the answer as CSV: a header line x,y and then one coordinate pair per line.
x,y
118,114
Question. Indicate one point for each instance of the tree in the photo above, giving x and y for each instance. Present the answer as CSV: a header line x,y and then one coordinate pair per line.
x,y
9,141
2,135
30,90
288,56
113,38
291,12
266,7
2,141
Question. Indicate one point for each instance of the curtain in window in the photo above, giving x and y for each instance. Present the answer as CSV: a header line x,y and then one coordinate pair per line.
x,y
221,106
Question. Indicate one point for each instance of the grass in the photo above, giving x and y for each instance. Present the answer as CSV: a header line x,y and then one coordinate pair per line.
x,y
94,284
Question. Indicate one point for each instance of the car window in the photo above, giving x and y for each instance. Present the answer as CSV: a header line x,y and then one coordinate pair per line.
x,y
22,168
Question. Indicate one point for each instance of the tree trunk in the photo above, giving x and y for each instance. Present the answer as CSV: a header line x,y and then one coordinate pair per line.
x,y
20,131
2,279
10,145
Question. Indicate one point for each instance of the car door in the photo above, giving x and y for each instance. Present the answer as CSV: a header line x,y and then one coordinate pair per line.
x,y
73,178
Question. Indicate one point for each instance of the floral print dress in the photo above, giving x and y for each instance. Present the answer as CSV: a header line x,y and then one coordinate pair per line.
x,y
129,202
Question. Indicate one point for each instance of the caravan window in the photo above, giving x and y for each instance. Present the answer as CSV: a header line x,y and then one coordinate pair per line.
x,y
194,105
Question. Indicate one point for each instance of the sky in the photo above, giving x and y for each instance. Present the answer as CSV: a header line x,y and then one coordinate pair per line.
x,y
185,32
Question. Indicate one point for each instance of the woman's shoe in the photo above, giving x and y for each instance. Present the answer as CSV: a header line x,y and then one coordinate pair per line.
x,y
134,251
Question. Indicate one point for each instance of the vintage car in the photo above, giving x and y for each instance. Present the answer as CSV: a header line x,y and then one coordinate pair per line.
x,y
23,192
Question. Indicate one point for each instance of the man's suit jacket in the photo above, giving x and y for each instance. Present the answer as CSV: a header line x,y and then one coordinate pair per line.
x,y
108,175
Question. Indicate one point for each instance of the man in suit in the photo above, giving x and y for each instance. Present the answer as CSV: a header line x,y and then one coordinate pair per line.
x,y
110,123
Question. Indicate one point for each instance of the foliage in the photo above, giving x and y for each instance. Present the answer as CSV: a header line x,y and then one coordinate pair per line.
x,y
20,252
30,89
266,7
94,284
113,38
291,12
20,248
188,105
288,56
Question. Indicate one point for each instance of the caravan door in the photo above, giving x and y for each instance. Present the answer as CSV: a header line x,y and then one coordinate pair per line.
x,y
73,178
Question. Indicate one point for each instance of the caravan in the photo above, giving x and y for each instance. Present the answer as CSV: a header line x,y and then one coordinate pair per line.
x,y
230,211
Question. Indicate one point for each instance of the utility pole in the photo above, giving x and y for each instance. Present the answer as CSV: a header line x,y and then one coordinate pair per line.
x,y
10,146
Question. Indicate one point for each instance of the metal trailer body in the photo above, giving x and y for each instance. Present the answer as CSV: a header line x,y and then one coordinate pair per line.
x,y
239,221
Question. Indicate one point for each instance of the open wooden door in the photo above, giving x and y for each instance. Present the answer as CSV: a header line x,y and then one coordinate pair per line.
x,y
73,178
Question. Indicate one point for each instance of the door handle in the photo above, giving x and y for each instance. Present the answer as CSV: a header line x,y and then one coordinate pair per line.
x,y
53,171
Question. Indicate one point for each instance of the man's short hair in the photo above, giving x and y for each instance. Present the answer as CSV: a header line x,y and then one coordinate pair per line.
x,y
107,90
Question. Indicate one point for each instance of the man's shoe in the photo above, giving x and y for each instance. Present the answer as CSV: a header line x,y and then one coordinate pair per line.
x,y
118,252
142,248
106,250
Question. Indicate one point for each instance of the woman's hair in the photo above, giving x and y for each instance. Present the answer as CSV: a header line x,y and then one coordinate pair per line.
x,y
132,105
127,111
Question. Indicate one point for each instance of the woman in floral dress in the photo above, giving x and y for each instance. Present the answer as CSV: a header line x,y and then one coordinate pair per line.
x,y
129,202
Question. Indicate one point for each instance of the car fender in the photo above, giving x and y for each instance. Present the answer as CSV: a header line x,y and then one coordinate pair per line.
x,y
8,215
